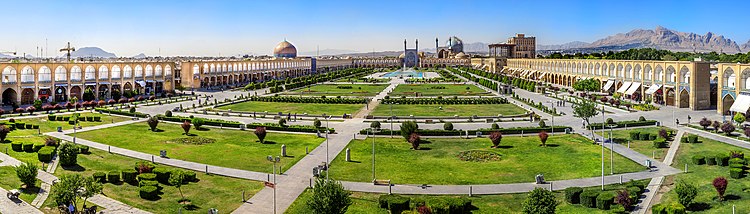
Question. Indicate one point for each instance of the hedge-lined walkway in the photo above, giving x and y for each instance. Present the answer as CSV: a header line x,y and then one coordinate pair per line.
x,y
655,184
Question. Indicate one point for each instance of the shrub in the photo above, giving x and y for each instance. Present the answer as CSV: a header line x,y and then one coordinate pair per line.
x,y
394,203
198,122
641,118
737,154
414,139
727,128
162,175
317,123
51,141
686,193
644,136
722,159
710,160
144,166
189,176
739,161
624,199
282,122
699,160
659,209
735,172
720,184
663,133
28,147
542,124
3,133
675,208
407,128
540,201
100,177
16,146
148,192
610,121
634,135
168,113
604,200
152,123
260,132
692,138
543,137
660,143
148,183
573,195
588,198
68,154
448,126
129,175
45,154
27,173
374,125
37,147
147,177
185,126
705,122
496,137
495,126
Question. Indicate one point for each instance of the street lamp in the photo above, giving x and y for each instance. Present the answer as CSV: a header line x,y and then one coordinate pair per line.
x,y
274,160
391,118
611,150
603,122
372,130
553,116
328,164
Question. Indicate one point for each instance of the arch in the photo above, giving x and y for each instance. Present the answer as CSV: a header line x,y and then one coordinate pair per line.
x,y
27,74
196,69
45,74
76,74
75,91
223,67
89,73
61,94
612,69
168,70
149,71
628,71
27,96
10,96
729,78
658,71
647,73
158,71
669,97
637,72
116,72
620,71
127,87
684,99
213,68
61,74
684,76
127,72
103,72
727,102
597,69
745,79
138,71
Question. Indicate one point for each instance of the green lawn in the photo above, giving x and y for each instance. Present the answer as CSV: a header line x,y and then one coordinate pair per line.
x,y
738,190
645,147
565,157
9,180
211,191
449,110
367,203
232,148
299,108
411,90
332,90
50,126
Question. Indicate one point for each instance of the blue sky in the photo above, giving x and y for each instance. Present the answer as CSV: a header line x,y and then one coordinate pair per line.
x,y
210,28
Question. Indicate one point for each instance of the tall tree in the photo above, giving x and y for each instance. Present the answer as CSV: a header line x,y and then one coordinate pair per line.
x,y
90,188
407,128
65,191
585,110
176,178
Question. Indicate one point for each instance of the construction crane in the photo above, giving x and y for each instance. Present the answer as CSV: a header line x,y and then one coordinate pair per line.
x,y
68,49
8,52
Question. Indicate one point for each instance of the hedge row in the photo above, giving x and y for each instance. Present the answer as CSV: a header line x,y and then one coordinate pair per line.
x,y
622,124
118,112
52,117
441,132
208,122
289,128
286,99
441,101
447,205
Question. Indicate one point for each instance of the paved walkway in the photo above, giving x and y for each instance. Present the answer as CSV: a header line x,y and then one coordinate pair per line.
x,y
15,206
362,113
655,183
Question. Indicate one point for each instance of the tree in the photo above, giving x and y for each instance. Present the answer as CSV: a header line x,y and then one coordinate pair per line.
x,y
727,128
585,110
739,118
705,122
260,132
448,126
623,198
64,191
185,126
3,133
716,125
543,137
542,124
540,201
176,179
686,193
663,133
329,197
496,137
68,153
316,123
720,184
282,122
407,128
27,173
586,85
153,122
198,122
90,188
375,125
414,140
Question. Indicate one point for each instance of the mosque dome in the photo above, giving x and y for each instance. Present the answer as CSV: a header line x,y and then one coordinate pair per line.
x,y
401,56
461,55
455,44
285,50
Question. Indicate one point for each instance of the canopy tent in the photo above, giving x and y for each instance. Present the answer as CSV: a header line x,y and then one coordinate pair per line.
x,y
653,89
633,88
624,87
741,104
141,82
608,85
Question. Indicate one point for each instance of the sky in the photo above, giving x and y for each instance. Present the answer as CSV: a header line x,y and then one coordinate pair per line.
x,y
226,28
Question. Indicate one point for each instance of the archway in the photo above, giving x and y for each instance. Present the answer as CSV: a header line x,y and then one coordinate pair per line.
x,y
727,102
670,96
44,94
127,87
10,97
27,96
684,99
116,92
60,94
75,91
103,91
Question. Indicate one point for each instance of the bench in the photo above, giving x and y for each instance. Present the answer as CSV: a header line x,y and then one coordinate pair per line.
x,y
381,182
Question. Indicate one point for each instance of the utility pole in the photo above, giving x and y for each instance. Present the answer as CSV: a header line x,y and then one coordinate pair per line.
x,y
68,49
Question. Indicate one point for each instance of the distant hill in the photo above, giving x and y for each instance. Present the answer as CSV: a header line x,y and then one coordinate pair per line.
x,y
140,56
746,47
569,45
91,52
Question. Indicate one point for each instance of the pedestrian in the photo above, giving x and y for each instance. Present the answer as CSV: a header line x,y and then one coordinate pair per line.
x,y
689,118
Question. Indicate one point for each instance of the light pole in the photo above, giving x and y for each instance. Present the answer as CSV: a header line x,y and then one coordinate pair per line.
x,y
603,122
274,160
553,116
373,153
611,150
328,165
391,104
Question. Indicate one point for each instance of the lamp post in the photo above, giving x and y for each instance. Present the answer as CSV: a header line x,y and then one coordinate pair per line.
x,y
274,160
391,104
611,150
372,130
553,116
603,122
328,165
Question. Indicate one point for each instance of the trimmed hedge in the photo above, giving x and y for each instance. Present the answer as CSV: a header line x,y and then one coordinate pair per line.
x,y
699,160
588,198
45,154
621,124
710,160
100,177
83,149
735,172
573,195
126,113
113,176
644,136
28,147
441,132
38,146
722,159
692,138
162,175
148,192
660,143
129,175
149,165
634,135
394,203
208,122
289,128
148,183
736,161
289,99
16,146
147,177
605,200
189,176
441,101
673,208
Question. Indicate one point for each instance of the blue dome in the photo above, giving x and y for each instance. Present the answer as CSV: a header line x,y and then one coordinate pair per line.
x,y
455,44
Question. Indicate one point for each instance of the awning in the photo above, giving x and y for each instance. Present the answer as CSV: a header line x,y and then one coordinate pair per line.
x,y
633,88
542,76
24,87
90,83
149,81
741,104
62,85
43,87
141,82
624,87
103,83
608,85
653,89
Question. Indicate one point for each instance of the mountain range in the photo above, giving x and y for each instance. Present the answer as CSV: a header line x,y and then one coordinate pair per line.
x,y
90,52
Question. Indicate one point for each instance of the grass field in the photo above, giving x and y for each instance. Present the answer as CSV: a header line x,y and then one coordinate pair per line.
x,y
367,203
232,148
437,162
9,180
332,90
645,147
411,90
50,126
298,108
449,110
211,191
738,190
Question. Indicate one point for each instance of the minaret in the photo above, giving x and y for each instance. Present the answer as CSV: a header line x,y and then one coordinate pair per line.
x,y
436,47
404,45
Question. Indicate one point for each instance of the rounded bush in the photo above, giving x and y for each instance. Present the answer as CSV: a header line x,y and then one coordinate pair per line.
x,y
100,177
722,159
635,135
113,176
675,208
699,160
148,183
28,147
129,175
644,136
573,195
735,173
693,138
710,160
162,175
148,192
189,176
45,154
604,200
660,143
38,146
736,161
16,146
588,198
83,149
147,177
